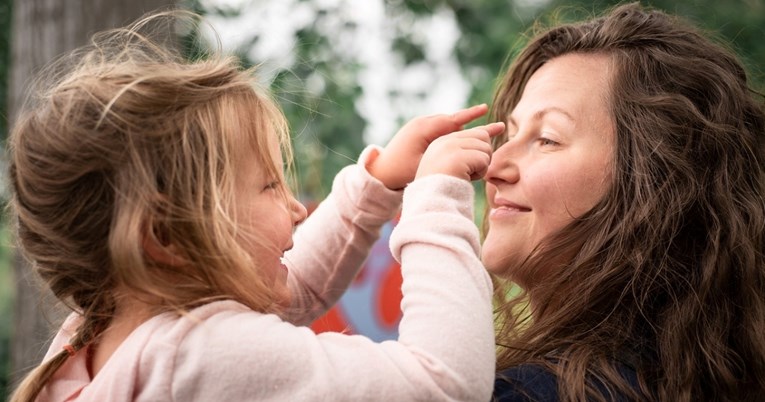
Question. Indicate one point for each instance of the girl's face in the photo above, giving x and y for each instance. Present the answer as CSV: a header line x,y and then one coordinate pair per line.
x,y
267,218
556,164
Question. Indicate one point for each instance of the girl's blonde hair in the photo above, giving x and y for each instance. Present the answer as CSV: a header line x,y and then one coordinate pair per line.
x,y
125,142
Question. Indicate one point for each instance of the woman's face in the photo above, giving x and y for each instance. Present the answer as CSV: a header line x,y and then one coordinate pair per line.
x,y
556,164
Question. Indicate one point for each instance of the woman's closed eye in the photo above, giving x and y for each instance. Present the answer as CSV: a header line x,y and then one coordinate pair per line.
x,y
545,141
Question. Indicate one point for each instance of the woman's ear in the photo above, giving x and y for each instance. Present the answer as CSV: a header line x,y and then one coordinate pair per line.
x,y
158,247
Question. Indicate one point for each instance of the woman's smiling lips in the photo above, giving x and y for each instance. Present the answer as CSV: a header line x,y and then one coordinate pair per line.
x,y
502,207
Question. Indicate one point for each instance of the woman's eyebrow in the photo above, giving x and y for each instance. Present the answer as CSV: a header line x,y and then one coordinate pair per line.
x,y
541,113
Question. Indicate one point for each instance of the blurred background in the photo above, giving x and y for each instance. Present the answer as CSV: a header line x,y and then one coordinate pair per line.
x,y
347,73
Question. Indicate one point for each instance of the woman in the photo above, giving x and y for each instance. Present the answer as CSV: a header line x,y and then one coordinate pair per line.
x,y
626,201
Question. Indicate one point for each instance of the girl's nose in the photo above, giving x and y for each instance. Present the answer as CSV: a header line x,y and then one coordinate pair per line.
x,y
298,210
503,167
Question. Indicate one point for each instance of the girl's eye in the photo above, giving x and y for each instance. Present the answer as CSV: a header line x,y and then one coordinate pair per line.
x,y
272,186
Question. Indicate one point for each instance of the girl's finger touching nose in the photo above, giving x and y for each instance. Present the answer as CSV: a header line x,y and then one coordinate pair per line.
x,y
495,129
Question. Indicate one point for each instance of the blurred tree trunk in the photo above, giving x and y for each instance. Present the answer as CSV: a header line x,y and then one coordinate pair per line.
x,y
41,31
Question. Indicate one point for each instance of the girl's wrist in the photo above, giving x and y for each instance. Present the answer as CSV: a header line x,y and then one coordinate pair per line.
x,y
371,165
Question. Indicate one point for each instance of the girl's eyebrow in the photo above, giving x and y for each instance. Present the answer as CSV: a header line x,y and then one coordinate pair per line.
x,y
541,113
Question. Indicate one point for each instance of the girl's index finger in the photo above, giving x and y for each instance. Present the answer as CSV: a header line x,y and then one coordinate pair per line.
x,y
495,129
467,115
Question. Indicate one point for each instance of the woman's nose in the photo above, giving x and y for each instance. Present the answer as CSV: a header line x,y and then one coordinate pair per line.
x,y
503,166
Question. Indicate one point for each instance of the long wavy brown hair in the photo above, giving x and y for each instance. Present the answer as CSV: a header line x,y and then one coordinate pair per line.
x,y
666,273
126,139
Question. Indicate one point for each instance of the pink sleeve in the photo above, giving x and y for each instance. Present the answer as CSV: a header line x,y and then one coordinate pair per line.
x,y
445,351
333,243
447,306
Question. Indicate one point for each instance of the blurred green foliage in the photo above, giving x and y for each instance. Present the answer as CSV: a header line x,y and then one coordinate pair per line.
x,y
328,129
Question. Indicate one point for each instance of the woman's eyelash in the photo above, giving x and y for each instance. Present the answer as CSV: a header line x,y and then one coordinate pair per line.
x,y
547,141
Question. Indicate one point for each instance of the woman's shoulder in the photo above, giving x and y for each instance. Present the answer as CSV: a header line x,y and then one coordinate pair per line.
x,y
532,382
526,382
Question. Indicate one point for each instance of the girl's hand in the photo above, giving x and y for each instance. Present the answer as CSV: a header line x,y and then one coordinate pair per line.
x,y
397,164
464,154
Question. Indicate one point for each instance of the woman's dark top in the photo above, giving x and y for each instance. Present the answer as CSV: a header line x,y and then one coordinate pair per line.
x,y
532,383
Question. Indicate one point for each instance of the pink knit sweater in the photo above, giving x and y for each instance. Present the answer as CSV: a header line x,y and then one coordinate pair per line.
x,y
224,351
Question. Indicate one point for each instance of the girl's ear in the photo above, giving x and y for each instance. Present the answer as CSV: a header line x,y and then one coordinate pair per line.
x,y
159,249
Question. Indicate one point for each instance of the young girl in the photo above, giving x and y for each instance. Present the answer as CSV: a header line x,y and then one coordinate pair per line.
x,y
150,197
627,201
